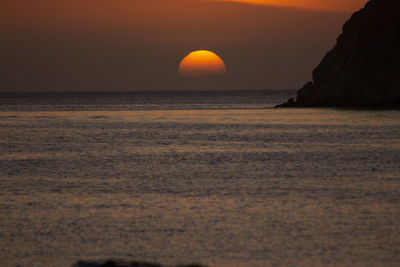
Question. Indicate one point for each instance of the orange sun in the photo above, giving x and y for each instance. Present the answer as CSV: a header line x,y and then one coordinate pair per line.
x,y
201,63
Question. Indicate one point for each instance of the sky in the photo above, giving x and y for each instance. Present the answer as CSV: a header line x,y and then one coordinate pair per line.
x,y
122,45
348,5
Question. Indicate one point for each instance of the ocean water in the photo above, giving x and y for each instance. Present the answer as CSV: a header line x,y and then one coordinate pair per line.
x,y
221,179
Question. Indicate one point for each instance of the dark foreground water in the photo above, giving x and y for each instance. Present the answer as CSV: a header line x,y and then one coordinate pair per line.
x,y
214,178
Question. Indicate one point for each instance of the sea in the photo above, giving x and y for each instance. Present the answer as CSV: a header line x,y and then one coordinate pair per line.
x,y
214,178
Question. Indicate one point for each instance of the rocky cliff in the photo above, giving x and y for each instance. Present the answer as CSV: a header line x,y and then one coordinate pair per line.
x,y
363,68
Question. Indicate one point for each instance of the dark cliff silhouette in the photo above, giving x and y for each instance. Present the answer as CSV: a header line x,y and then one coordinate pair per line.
x,y
363,68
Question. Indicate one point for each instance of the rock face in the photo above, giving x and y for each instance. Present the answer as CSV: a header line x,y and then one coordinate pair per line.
x,y
363,68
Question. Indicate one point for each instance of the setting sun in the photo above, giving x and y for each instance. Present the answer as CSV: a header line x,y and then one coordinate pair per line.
x,y
201,63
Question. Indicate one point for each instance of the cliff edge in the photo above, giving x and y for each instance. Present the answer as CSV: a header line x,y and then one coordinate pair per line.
x,y
363,68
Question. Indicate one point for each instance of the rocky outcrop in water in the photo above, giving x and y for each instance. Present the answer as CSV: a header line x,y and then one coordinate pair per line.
x,y
119,263
363,68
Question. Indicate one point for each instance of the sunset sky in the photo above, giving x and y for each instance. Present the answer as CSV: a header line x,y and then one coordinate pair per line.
x,y
349,5
75,45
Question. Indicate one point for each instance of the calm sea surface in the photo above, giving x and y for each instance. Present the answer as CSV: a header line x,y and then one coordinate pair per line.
x,y
221,179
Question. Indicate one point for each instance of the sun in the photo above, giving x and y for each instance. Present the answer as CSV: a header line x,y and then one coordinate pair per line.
x,y
202,63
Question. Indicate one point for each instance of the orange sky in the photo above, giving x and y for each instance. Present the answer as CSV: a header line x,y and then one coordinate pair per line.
x,y
348,5
117,9
138,44
138,13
